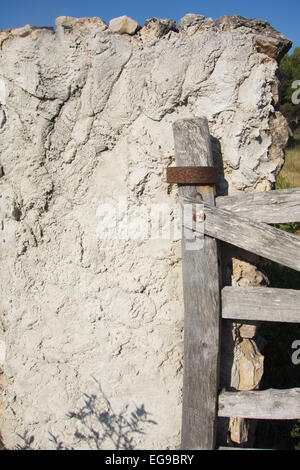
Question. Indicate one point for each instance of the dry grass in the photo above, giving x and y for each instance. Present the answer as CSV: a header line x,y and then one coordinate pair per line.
x,y
289,177
290,173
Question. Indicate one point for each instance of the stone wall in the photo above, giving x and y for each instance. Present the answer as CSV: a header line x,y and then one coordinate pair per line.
x,y
91,305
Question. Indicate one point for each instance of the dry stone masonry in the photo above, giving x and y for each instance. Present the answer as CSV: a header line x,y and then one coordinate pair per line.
x,y
91,305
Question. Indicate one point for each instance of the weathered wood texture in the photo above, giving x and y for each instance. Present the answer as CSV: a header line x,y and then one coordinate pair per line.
x,y
270,207
201,299
256,237
261,303
266,404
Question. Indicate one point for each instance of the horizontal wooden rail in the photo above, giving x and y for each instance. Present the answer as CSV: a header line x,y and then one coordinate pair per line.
x,y
271,207
256,237
261,303
265,404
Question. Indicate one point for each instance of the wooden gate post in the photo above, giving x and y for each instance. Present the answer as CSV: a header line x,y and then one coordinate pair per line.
x,y
201,298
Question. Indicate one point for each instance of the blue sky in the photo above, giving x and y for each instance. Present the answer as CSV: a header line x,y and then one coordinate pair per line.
x,y
284,16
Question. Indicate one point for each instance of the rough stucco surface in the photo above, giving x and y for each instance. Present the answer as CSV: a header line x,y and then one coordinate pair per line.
x,y
86,119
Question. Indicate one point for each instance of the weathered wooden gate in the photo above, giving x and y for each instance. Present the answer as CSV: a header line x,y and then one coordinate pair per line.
x,y
242,221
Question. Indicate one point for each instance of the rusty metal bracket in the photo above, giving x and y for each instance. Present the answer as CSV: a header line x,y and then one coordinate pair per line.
x,y
201,175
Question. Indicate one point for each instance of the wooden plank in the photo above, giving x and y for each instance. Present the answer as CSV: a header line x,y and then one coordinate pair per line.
x,y
201,299
271,207
256,237
241,448
257,404
261,303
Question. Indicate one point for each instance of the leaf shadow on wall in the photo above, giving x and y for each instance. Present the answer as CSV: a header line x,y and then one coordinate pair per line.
x,y
101,427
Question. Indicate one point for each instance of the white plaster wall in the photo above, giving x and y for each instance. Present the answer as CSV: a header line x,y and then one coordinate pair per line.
x,y
86,132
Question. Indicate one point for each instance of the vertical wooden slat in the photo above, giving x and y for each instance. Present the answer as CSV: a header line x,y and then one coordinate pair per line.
x,y
201,299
